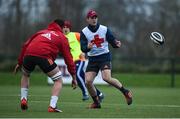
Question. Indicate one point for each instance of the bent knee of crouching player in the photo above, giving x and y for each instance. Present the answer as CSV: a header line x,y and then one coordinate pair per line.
x,y
56,76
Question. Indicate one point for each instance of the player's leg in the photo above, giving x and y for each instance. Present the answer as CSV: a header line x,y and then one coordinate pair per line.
x,y
89,83
80,77
24,86
52,70
56,76
27,67
91,72
90,76
106,75
100,94
24,91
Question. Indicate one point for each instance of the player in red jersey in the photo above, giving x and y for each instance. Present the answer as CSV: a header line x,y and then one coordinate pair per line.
x,y
42,49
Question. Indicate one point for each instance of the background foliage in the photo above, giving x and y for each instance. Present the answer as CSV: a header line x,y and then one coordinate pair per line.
x,y
131,21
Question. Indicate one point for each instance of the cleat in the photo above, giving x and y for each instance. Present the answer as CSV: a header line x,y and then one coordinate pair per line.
x,y
24,105
85,97
51,109
101,97
128,96
95,106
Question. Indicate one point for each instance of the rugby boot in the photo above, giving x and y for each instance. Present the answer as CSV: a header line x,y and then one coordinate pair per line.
x,y
128,96
95,106
51,109
24,104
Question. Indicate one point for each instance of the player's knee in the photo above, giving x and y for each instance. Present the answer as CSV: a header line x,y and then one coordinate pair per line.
x,y
25,72
106,79
58,82
57,76
88,82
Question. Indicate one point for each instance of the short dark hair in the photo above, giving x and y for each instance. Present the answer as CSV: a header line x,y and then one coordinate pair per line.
x,y
60,22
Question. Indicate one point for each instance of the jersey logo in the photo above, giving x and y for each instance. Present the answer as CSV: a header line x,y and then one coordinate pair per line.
x,y
54,33
47,35
97,40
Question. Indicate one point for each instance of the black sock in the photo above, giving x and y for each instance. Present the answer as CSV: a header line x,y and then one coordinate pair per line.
x,y
122,89
95,99
98,92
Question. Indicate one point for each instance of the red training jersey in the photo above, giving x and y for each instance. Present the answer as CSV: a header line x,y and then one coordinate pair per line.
x,y
47,44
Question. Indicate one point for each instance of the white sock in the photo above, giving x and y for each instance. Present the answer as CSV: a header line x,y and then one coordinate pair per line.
x,y
24,93
53,101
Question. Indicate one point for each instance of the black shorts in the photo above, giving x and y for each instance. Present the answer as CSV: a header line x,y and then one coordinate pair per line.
x,y
96,66
46,65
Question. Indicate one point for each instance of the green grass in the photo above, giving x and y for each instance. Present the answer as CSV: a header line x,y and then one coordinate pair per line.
x,y
154,100
148,102
128,79
147,80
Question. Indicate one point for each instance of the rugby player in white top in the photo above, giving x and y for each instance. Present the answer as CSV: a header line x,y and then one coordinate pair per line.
x,y
94,41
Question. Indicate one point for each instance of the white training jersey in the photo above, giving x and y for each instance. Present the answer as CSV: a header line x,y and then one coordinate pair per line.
x,y
98,38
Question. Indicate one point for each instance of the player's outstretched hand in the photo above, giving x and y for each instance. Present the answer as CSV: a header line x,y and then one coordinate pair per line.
x,y
74,82
17,67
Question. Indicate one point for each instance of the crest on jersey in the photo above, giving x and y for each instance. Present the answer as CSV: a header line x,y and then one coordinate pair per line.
x,y
47,35
97,40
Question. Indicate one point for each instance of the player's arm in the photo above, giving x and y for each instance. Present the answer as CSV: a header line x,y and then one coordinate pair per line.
x,y
21,56
65,50
84,43
25,45
112,40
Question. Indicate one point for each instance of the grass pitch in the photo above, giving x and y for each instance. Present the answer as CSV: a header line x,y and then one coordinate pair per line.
x,y
148,102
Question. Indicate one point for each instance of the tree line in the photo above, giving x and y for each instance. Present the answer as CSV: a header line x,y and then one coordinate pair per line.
x,y
131,21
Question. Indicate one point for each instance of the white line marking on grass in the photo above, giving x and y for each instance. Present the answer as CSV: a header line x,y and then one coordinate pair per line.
x,y
173,106
28,95
106,104
117,104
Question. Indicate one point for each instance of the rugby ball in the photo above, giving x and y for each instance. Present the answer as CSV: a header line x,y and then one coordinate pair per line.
x,y
157,38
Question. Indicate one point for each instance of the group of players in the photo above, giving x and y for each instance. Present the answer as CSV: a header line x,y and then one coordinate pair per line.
x,y
43,47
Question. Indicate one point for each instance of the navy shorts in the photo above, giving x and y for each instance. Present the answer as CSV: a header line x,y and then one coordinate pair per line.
x,y
96,66
46,65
